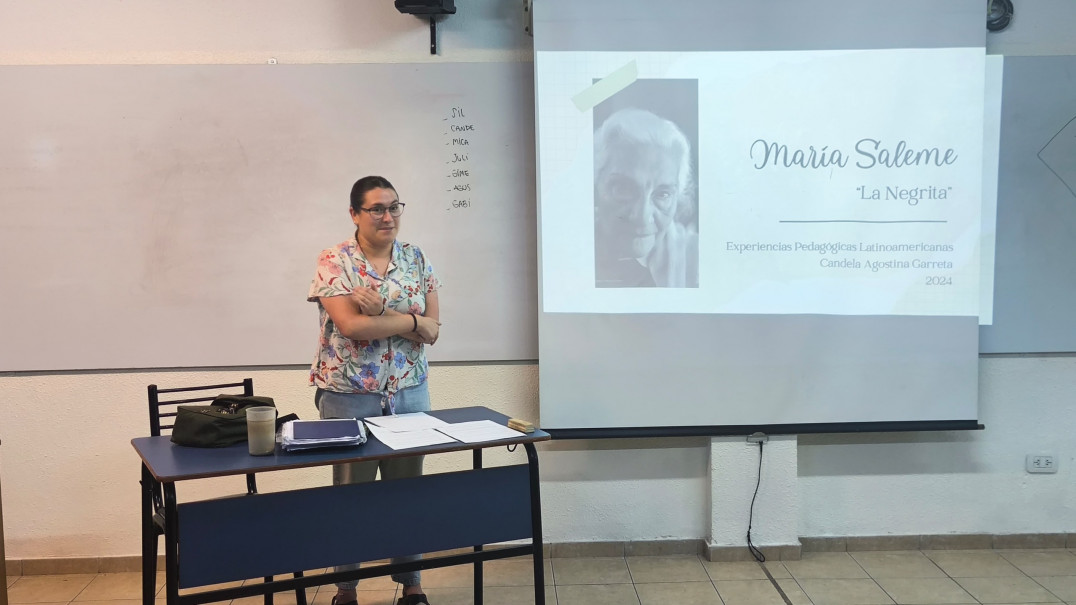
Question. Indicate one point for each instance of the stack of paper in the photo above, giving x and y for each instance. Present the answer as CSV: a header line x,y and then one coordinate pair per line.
x,y
406,431
308,434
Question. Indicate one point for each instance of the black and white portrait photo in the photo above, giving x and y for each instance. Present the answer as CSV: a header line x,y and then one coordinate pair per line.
x,y
645,205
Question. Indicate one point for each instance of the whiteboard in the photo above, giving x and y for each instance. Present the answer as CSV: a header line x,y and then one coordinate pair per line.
x,y
1034,281
171,216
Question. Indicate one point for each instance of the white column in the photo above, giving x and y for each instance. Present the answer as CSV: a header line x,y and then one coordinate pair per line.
x,y
734,471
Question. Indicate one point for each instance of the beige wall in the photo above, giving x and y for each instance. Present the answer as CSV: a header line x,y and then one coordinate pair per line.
x,y
36,32
70,477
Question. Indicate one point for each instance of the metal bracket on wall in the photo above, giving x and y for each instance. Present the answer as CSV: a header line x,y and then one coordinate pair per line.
x,y
528,17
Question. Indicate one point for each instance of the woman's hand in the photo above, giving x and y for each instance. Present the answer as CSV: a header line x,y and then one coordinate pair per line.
x,y
368,301
427,329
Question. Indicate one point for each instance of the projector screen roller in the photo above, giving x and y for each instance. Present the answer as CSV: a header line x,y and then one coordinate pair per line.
x,y
748,223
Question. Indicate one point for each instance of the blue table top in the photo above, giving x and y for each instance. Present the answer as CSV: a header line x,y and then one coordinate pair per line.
x,y
169,462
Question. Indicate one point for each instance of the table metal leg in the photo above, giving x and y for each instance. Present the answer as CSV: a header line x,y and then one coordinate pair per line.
x,y
3,557
171,545
300,595
536,526
149,540
477,458
268,598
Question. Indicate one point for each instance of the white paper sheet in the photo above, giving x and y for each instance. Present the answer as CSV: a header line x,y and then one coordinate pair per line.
x,y
406,422
478,431
408,439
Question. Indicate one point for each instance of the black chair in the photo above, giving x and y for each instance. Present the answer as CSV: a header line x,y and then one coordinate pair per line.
x,y
165,411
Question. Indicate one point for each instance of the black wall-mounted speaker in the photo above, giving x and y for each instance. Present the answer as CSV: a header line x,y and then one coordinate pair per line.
x,y
426,7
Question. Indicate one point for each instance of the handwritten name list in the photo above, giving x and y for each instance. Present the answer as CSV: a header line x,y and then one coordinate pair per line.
x,y
459,132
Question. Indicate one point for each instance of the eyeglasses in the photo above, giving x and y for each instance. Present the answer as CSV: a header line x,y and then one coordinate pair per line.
x,y
378,212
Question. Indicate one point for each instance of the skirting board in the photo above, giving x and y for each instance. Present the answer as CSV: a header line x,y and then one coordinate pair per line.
x,y
701,547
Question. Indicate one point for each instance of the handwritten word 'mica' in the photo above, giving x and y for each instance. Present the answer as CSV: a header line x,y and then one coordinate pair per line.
x,y
870,151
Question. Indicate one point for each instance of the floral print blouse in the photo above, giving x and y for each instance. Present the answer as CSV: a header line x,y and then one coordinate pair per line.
x,y
383,365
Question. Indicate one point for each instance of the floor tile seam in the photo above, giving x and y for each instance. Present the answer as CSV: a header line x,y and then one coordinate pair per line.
x,y
955,578
713,584
595,583
863,569
946,577
938,568
1052,593
776,585
801,588
932,562
77,600
73,599
867,578
631,577
894,599
713,580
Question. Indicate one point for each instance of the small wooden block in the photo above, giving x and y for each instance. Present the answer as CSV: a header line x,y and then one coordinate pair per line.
x,y
520,425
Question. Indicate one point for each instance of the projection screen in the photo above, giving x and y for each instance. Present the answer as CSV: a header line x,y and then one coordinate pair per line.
x,y
758,216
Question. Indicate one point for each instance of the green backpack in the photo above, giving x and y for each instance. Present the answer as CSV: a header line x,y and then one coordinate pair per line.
x,y
219,424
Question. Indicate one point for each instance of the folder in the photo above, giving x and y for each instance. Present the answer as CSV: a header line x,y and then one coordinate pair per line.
x,y
330,432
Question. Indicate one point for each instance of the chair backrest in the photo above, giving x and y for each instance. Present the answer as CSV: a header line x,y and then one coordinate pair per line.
x,y
163,409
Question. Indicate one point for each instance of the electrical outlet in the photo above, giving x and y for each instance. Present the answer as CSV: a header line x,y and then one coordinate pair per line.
x,y
1041,463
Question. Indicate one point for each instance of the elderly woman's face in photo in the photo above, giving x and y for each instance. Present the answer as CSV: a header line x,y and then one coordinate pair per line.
x,y
636,195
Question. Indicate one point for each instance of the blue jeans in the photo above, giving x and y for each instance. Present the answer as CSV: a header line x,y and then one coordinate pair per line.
x,y
363,405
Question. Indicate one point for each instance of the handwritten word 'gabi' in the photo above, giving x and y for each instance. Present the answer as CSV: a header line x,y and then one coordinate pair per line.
x,y
871,153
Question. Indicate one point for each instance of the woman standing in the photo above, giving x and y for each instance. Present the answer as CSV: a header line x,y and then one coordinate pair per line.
x,y
377,305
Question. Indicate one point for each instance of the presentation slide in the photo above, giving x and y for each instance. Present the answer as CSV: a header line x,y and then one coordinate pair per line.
x,y
844,182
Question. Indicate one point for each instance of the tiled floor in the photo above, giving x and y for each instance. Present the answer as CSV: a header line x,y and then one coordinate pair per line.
x,y
857,578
